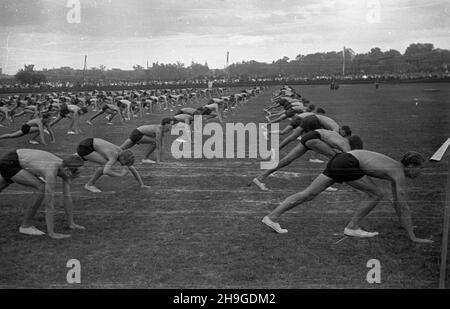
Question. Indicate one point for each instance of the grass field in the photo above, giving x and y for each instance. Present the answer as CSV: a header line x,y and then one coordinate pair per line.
x,y
200,226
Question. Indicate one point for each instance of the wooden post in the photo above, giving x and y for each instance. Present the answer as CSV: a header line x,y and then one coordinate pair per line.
x,y
442,275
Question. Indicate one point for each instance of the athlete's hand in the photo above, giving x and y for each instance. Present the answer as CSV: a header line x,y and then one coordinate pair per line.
x,y
74,226
421,240
59,236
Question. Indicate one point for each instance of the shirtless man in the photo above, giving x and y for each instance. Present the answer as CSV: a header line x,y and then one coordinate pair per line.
x,y
354,168
149,134
213,109
111,110
37,126
102,152
39,170
72,112
321,141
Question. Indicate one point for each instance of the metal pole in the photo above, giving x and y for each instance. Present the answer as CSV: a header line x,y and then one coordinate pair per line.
x,y
445,231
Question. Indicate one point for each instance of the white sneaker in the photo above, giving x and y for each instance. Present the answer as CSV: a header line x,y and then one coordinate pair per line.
x,y
109,123
316,161
148,161
93,189
71,132
359,233
273,225
30,231
89,123
34,142
331,189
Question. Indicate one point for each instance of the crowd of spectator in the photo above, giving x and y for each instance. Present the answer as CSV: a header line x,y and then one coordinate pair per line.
x,y
12,84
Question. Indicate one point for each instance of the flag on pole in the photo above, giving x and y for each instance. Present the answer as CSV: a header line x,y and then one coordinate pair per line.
x,y
228,57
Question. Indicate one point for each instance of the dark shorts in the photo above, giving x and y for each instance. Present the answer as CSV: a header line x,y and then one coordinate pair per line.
x,y
343,167
296,122
85,147
310,123
104,108
179,113
207,111
310,136
136,136
26,129
10,166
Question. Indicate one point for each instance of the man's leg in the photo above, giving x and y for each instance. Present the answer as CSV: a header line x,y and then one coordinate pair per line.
x,y
375,194
95,157
151,148
12,135
127,144
98,173
29,180
317,186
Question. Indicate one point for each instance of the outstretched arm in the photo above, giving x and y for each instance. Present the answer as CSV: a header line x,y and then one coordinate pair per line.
x,y
68,206
107,170
137,176
292,137
403,212
50,132
159,142
50,181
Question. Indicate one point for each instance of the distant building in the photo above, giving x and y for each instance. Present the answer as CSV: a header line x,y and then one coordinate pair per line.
x,y
1,71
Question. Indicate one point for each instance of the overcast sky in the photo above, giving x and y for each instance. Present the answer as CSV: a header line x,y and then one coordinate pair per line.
x,y
122,33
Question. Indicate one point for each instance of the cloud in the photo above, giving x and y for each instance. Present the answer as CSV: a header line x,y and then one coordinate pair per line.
x,y
125,32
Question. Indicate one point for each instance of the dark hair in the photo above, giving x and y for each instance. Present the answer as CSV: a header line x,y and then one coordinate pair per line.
x,y
311,123
412,158
166,121
320,111
355,142
45,115
84,110
347,130
311,107
73,162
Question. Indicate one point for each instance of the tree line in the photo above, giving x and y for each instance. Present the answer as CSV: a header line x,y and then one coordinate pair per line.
x,y
418,57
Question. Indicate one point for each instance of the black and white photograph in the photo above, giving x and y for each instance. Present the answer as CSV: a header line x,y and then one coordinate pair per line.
x,y
250,146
